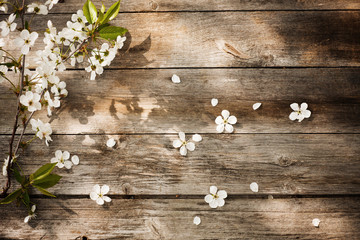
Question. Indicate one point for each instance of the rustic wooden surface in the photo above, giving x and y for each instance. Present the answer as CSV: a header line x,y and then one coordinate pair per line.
x,y
291,51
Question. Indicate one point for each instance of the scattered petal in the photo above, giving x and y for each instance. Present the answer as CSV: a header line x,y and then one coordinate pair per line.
x,y
197,220
175,79
316,222
111,142
75,160
214,102
256,106
254,187
196,138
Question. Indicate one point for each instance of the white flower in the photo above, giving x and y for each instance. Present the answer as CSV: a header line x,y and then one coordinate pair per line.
x,y
196,138
31,214
51,3
63,159
5,166
254,187
37,9
299,113
79,17
119,43
225,122
26,40
31,101
216,198
316,222
183,144
175,78
111,142
2,44
3,6
8,25
95,68
98,194
42,130
214,102
197,220
256,106
3,71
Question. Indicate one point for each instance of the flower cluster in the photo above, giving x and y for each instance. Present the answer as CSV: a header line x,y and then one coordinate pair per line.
x,y
42,130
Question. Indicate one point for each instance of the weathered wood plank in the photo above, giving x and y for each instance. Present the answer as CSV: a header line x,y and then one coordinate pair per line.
x,y
172,219
159,40
70,6
146,101
279,163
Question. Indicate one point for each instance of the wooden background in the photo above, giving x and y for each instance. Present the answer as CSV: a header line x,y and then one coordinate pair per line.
x,y
296,51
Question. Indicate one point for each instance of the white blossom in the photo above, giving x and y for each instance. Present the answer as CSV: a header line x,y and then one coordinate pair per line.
x,y
26,40
3,6
95,68
8,25
225,122
79,17
299,113
31,214
98,194
197,220
43,131
175,78
62,159
256,106
214,102
5,166
183,144
119,43
111,142
37,9
3,71
31,101
254,187
316,222
51,3
216,198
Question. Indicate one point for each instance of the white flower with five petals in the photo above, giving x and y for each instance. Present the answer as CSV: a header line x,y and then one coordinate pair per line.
x,y
42,130
37,9
225,122
8,25
51,3
26,40
299,113
31,101
63,159
98,194
183,144
216,198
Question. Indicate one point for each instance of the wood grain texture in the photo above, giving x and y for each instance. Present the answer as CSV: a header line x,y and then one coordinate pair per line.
x,y
280,164
69,6
146,101
270,39
172,219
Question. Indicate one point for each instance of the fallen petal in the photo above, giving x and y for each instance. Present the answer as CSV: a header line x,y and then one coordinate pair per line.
x,y
175,79
256,105
254,187
197,220
214,102
316,222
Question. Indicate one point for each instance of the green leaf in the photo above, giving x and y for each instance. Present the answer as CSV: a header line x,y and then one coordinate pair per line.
x,y
112,32
102,10
47,182
112,12
43,191
20,179
26,198
90,12
101,16
43,171
11,197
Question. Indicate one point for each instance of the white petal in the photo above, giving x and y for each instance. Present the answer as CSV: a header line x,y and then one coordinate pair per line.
x,y
106,199
208,198
214,102
58,154
213,190
177,143
66,155
294,106
105,189
220,202
303,106
175,79
197,220
33,208
293,116
225,114
220,128
219,120
222,194
111,143
229,128
196,138
316,222
26,219
94,196
306,113
214,204
68,164
232,120
190,146
254,187
100,201
256,105
183,151
96,188
301,117
54,160
60,165
182,136
75,160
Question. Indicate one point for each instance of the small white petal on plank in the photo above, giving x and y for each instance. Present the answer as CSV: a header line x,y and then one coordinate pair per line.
x,y
254,187
214,102
175,78
197,220
316,222
196,138
256,106
111,143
